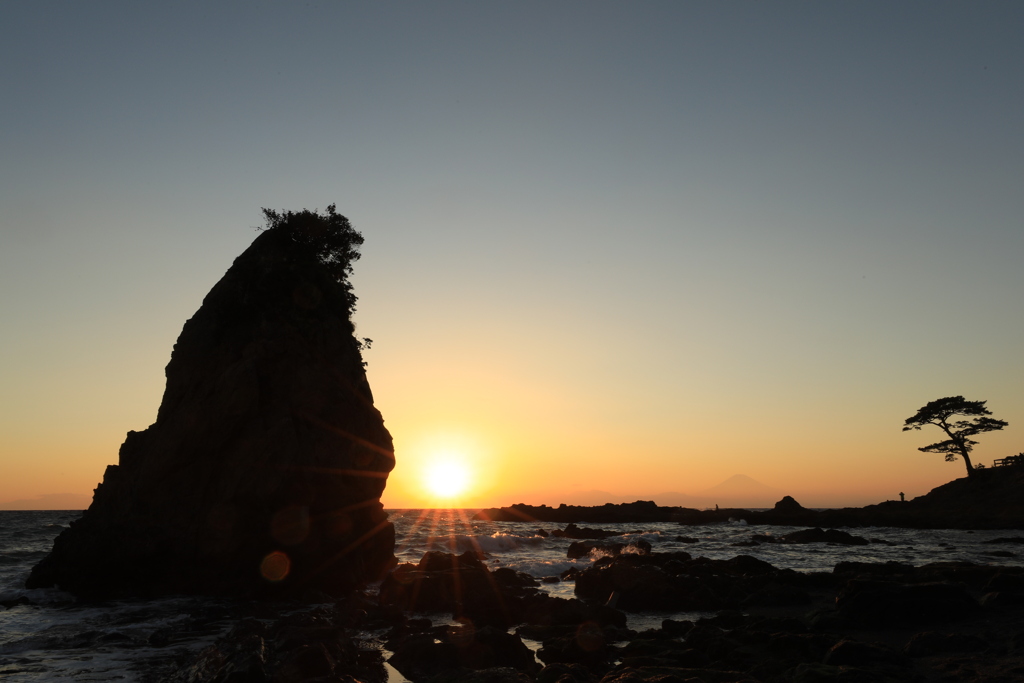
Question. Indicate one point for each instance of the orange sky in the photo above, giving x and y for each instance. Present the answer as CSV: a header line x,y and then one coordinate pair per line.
x,y
639,248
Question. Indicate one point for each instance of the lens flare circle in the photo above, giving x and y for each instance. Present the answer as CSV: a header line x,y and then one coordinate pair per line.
x,y
275,566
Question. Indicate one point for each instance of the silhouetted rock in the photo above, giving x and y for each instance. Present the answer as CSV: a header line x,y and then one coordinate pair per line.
x,y
573,531
675,581
639,511
789,506
462,586
579,549
292,648
818,535
880,604
930,643
265,466
1013,539
854,653
587,644
992,498
460,648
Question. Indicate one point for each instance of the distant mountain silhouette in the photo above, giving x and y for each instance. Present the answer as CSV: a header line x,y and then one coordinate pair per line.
x,y
738,490
588,497
49,501
742,486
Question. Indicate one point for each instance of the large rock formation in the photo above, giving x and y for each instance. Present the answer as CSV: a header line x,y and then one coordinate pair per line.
x,y
264,469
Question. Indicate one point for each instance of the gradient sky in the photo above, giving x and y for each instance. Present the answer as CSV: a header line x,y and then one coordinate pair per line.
x,y
636,246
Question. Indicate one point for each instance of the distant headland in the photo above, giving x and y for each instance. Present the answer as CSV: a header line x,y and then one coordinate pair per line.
x,y
990,499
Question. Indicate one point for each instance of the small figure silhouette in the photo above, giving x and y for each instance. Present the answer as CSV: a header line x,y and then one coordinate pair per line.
x,y
903,499
716,507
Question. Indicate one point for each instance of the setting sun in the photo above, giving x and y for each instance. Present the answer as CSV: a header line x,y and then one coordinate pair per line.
x,y
446,479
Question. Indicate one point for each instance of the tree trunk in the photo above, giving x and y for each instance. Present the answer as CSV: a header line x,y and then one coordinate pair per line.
x,y
967,461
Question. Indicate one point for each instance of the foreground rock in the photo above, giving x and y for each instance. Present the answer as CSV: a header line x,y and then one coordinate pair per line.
x,y
678,582
317,644
872,622
465,588
861,622
483,605
264,469
816,535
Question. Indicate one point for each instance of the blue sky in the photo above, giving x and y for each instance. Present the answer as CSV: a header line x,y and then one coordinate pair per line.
x,y
700,238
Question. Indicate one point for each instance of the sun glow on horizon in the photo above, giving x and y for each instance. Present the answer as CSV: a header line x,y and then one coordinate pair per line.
x,y
446,478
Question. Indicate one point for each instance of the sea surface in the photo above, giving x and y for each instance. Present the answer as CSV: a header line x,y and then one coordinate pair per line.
x,y
56,638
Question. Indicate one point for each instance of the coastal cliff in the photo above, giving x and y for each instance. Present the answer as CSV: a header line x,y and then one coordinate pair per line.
x,y
264,469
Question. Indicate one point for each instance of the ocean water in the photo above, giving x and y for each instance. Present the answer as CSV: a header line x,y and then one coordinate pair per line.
x,y
56,638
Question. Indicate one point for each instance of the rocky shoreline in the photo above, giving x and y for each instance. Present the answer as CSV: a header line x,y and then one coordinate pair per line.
x,y
260,482
991,499
451,618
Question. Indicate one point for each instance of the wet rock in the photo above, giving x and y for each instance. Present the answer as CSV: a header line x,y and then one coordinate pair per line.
x,y
891,569
662,652
305,662
491,647
853,653
554,611
570,574
583,533
15,602
560,672
464,587
631,587
777,595
458,584
674,581
437,561
420,656
676,628
930,643
884,604
882,541
671,674
513,579
587,645
1019,540
501,674
294,647
1003,599
461,647
818,535
578,549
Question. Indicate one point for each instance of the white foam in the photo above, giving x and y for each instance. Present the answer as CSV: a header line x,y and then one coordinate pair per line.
x,y
499,542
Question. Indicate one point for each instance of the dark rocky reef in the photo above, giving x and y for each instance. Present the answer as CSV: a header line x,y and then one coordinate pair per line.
x,y
263,471
990,499
871,622
640,511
